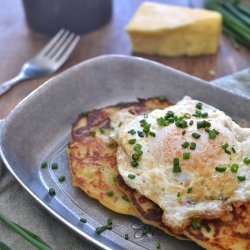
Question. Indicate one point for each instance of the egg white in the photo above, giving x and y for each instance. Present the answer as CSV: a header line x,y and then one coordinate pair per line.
x,y
212,192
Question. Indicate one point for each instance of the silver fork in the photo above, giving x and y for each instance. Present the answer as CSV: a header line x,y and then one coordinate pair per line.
x,y
48,60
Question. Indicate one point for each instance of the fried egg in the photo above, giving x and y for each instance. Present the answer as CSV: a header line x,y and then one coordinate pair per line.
x,y
191,159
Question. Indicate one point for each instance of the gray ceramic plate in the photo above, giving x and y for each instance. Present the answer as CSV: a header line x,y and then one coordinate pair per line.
x,y
38,129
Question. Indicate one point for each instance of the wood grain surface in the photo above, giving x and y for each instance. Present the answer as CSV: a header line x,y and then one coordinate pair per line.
x,y
18,43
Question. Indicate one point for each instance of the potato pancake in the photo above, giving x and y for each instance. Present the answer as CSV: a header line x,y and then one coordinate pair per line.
x,y
92,155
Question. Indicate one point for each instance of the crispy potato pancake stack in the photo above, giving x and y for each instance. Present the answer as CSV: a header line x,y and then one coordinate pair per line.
x,y
92,158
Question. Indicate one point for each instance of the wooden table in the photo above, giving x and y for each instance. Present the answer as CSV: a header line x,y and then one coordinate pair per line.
x,y
18,43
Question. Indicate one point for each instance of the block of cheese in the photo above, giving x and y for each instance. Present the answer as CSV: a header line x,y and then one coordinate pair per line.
x,y
174,31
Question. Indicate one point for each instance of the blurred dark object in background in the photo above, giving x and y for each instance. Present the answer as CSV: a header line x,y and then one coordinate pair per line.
x,y
79,16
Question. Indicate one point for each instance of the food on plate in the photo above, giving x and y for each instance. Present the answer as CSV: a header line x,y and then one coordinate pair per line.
x,y
183,168
174,31
92,155
192,160
231,231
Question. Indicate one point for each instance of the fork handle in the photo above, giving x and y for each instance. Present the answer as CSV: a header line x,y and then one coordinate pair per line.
x,y
6,86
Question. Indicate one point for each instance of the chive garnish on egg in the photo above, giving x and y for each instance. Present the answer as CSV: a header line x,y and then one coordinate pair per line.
x,y
185,144
189,190
192,145
132,141
246,160
131,176
186,155
109,192
176,165
132,132
220,169
195,223
234,168
198,105
241,178
196,135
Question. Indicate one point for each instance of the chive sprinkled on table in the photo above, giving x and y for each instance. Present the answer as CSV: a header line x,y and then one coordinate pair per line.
x,y
61,178
126,236
44,164
52,192
158,245
54,165
83,220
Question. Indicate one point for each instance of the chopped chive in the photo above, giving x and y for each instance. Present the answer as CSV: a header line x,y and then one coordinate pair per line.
x,y
161,98
109,221
234,168
220,169
52,192
204,115
195,223
170,114
100,230
140,133
227,151
54,165
85,113
181,124
137,147
134,164
197,114
196,135
114,178
143,122
120,124
161,121
176,166
110,193
192,145
198,105
203,124
185,144
158,245
191,122
132,132
131,176
189,190
126,236
212,134
135,157
224,146
246,160
92,133
102,131
125,197
233,150
186,155
61,178
178,194
241,178
44,164
83,220
132,141
183,132
152,134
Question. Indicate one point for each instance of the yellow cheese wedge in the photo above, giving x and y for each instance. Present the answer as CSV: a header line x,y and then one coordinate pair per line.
x,y
174,31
